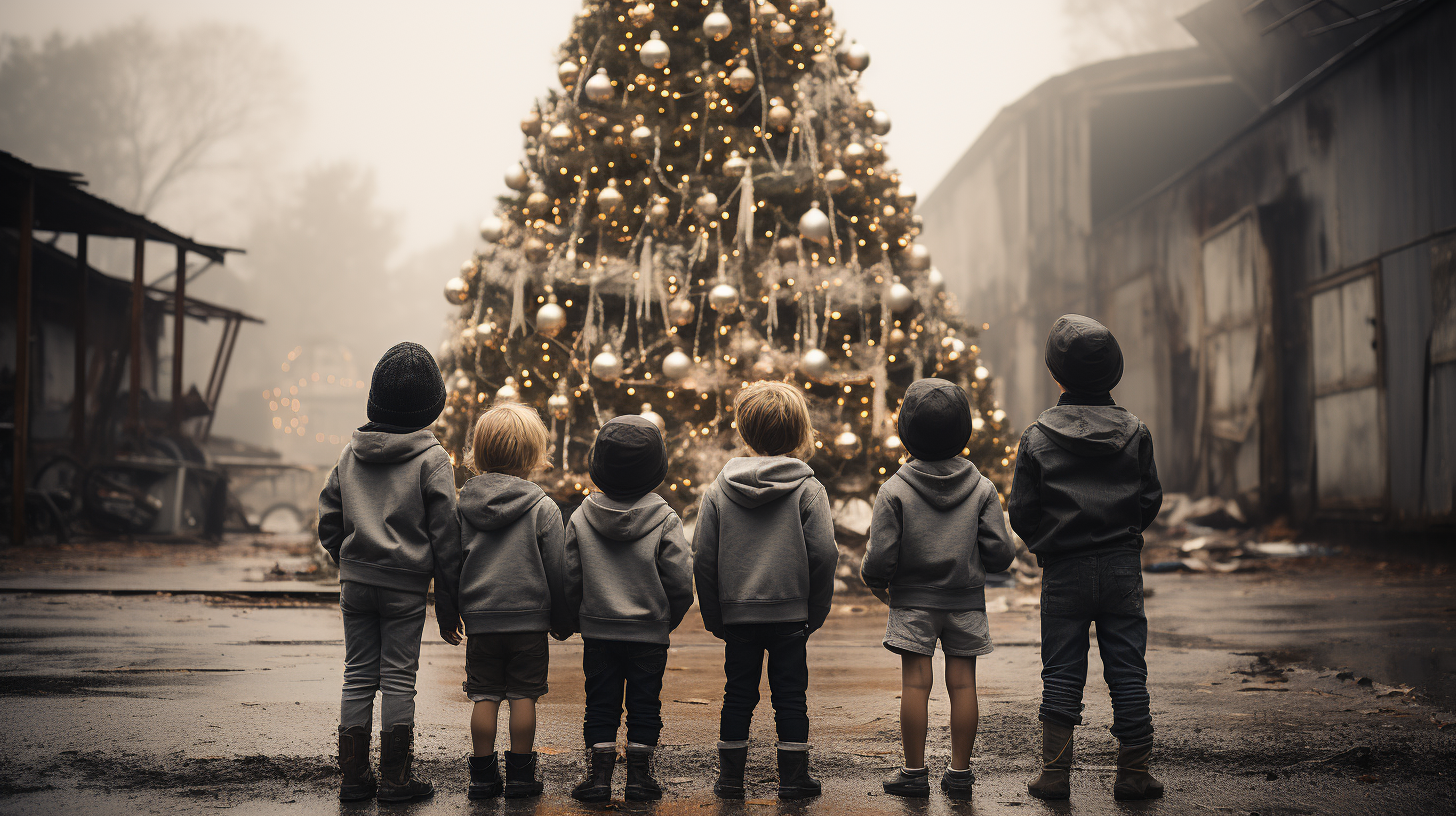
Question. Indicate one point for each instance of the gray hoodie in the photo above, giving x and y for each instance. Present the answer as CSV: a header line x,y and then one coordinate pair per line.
x,y
515,558
1085,482
936,531
629,573
387,515
763,549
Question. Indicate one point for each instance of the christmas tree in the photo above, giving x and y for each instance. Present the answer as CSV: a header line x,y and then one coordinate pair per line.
x,y
704,203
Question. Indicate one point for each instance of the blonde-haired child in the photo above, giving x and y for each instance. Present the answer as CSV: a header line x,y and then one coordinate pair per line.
x,y
764,559
511,592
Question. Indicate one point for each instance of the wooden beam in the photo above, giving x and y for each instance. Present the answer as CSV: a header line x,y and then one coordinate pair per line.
x,y
78,390
138,303
20,477
179,323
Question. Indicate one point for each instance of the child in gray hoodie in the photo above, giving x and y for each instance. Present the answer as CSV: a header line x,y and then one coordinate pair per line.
x,y
936,530
629,579
764,559
511,593
387,517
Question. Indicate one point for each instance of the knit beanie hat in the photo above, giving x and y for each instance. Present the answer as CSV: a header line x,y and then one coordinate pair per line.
x,y
407,390
629,458
1083,355
935,419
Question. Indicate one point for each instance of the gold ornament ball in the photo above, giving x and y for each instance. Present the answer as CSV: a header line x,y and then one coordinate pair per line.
x,y
880,123
538,204
516,176
550,319
492,228
641,14
536,249
815,364
676,365
508,392
935,279
723,298
599,87
781,34
717,24
559,406
768,10
787,248
681,311
560,136
814,225
456,290
836,180
707,204
607,365
654,53
897,339
779,115
735,165
641,137
900,297
855,153
654,417
659,212
857,58
610,198
919,257
568,72
531,123
742,80
846,444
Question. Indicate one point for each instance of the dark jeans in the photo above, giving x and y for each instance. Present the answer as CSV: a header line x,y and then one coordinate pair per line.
x,y
612,666
788,678
1105,589
382,629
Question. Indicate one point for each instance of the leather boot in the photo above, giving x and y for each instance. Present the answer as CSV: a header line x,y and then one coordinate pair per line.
x,y
910,785
521,776
597,787
396,759
354,763
641,787
485,778
1056,763
794,779
958,785
730,772
1133,780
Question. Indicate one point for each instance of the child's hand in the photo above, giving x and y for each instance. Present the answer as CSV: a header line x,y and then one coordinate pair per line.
x,y
453,635
882,594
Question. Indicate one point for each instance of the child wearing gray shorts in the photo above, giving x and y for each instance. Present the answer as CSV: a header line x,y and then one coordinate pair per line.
x,y
937,529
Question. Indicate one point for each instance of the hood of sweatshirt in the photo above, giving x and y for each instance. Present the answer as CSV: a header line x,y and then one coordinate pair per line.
x,y
624,521
943,483
752,481
382,446
491,501
1089,430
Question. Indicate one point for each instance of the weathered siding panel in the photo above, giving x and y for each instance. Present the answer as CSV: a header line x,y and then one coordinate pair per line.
x,y
1406,297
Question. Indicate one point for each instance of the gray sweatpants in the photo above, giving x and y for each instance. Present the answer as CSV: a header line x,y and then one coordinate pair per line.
x,y
382,629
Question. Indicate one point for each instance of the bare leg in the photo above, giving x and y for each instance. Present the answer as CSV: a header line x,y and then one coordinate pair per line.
x,y
523,726
916,679
482,727
960,685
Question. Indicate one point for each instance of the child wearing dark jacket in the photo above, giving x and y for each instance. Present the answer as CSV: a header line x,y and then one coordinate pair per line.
x,y
936,530
629,582
387,517
1085,489
511,593
764,559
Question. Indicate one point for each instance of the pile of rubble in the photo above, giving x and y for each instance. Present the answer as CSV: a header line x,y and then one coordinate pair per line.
x,y
1213,535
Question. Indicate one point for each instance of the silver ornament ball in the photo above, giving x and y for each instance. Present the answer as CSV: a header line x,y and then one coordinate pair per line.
x,y
508,392
599,87
559,406
516,176
550,319
880,123
654,417
723,298
919,259
815,364
900,297
492,228
814,225
836,180
742,80
676,365
717,24
607,365
654,53
456,290
857,58
681,311
847,443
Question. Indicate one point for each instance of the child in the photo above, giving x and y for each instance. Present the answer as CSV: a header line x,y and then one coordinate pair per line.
x,y
387,518
510,592
1085,489
936,531
629,577
764,559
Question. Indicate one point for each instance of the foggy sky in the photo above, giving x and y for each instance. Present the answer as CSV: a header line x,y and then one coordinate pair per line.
x,y
429,94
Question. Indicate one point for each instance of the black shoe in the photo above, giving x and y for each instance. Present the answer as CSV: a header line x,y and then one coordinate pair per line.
x,y
641,787
597,787
794,779
958,785
521,776
485,778
730,773
396,761
915,785
354,763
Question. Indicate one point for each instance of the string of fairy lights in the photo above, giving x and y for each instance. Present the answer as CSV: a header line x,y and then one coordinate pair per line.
x,y
289,413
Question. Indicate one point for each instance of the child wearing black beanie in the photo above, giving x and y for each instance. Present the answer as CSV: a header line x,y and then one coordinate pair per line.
x,y
629,582
1085,489
936,530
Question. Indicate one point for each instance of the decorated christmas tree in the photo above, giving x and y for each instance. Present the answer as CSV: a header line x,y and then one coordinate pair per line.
x,y
707,201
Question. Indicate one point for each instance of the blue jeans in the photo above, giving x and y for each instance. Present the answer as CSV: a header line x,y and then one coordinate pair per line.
x,y
744,647
1105,589
614,668
382,629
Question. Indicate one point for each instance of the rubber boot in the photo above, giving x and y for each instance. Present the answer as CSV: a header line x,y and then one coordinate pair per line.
x,y
911,785
794,779
731,762
958,785
354,763
1056,763
1133,780
641,787
597,787
485,778
397,782
521,776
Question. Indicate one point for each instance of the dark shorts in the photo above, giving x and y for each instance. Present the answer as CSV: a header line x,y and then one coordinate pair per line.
x,y
507,666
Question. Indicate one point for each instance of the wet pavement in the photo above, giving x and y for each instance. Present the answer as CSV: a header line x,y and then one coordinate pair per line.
x,y
1323,687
